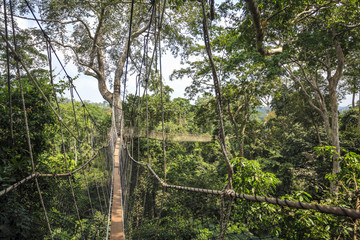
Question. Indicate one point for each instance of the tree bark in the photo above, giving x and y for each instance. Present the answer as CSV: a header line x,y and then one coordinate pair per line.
x,y
242,141
325,117
243,128
114,98
333,83
353,100
237,132
359,110
260,29
335,128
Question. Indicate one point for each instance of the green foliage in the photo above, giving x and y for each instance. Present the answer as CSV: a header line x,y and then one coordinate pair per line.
x,y
21,212
250,179
281,142
349,130
14,154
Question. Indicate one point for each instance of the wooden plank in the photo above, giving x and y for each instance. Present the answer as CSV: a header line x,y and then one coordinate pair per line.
x,y
117,226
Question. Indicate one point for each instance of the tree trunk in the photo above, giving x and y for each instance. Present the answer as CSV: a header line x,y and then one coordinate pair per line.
x,y
335,128
237,133
246,118
260,29
242,142
333,82
118,112
267,107
353,100
359,110
99,70
325,116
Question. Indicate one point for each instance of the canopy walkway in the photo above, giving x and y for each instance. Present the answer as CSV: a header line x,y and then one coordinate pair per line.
x,y
98,188
156,135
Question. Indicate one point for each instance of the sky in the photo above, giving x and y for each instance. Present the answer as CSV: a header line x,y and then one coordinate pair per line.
x,y
88,89
88,86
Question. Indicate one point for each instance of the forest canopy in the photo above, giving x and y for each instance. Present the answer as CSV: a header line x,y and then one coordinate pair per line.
x,y
266,77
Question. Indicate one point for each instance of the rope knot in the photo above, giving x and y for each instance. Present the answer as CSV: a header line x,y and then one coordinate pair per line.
x,y
228,192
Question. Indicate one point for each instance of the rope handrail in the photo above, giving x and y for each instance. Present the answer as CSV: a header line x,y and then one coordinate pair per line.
x,y
34,80
339,211
101,165
72,172
37,174
15,185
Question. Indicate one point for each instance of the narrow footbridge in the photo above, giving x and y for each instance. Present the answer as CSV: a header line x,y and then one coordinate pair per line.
x,y
85,185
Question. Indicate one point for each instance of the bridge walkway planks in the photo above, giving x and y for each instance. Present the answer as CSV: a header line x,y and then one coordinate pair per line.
x,y
117,224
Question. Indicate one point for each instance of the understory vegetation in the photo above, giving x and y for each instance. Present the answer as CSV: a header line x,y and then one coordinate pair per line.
x,y
282,158
21,213
268,79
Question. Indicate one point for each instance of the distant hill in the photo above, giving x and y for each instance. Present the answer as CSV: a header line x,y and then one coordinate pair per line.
x,y
261,113
343,108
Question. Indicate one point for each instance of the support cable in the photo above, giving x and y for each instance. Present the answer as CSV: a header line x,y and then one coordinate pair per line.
x,y
147,121
146,42
27,125
34,80
161,16
162,94
62,137
31,156
8,75
98,193
217,86
218,95
339,211
83,171
47,39
128,46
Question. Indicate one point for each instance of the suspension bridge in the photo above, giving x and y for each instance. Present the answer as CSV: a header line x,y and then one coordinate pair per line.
x,y
99,178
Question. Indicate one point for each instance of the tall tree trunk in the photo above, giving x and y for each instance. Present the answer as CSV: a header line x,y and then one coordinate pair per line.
x,y
267,106
242,141
325,117
236,130
98,69
333,83
353,100
118,113
359,110
335,128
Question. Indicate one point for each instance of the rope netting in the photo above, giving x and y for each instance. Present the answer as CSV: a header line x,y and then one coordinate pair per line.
x,y
57,162
65,192
76,202
154,209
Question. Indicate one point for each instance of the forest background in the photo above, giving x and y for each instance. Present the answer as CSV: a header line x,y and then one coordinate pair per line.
x,y
296,59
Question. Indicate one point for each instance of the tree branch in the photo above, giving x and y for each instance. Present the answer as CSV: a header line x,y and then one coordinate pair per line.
x,y
78,20
303,89
238,110
310,12
340,57
121,62
259,28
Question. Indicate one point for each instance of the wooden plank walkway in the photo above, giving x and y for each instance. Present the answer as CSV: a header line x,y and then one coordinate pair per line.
x,y
181,137
117,226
